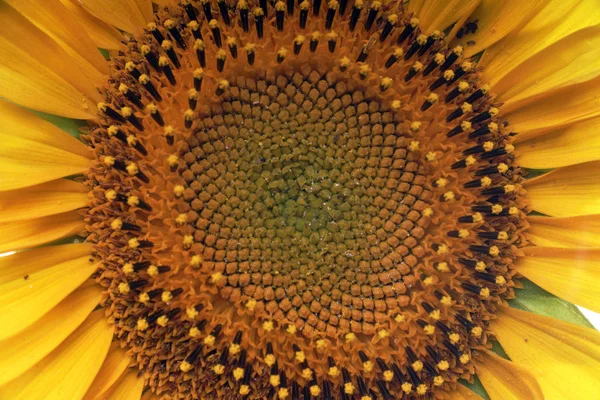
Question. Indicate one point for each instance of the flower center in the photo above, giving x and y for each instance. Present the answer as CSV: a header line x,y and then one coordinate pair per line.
x,y
316,201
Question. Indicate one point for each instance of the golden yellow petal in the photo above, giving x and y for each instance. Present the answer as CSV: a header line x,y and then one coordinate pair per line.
x,y
413,6
568,191
571,274
24,263
463,393
440,14
40,201
572,144
68,371
56,21
567,62
25,301
145,7
102,34
506,380
568,232
571,104
22,351
112,369
563,357
123,14
37,73
19,235
558,19
129,387
496,19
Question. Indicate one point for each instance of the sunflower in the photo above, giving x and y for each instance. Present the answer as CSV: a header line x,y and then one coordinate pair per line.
x,y
299,199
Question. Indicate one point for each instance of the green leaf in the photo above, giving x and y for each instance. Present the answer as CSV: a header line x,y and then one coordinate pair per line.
x,y
535,299
476,387
68,125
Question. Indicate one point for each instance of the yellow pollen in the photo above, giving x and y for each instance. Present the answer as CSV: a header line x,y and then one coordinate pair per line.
x,y
509,188
432,98
194,332
345,62
480,266
219,369
446,300
128,268
414,145
392,19
494,251
429,329
407,387
221,54
388,375
193,25
191,312
438,381
234,349
486,181
268,326
463,233
321,344
142,324
449,196
428,212
349,388
364,69
163,61
126,112
399,318
386,82
300,39
132,140
442,266
470,160
428,281
133,201
448,74
332,35
466,66
442,249
198,74
209,340
223,84
465,358
422,389
383,333
110,195
307,374
166,296
216,277
109,161
496,209
443,365
416,126
144,79
196,261
188,115
398,52
231,42
162,321
112,130
270,360
181,219
494,112
417,66
441,182
274,380
350,337
144,298
283,393
466,107
188,241
466,126
130,66
291,329
185,366
152,270
502,235
213,24
315,390
435,314
422,39
133,243
124,288
169,24
414,22
366,398
463,86
123,88
132,169
454,338
178,190
417,365
502,168
513,210
439,58
485,293
333,372
299,356
238,373
477,331
250,304
368,366
250,47
244,390
477,217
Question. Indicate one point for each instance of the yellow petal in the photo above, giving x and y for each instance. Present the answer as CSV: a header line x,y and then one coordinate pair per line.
x,y
572,144
506,380
68,371
123,14
25,301
22,264
22,351
463,393
569,232
440,14
102,34
19,235
571,104
145,7
571,274
37,73
568,191
114,366
570,61
56,21
496,19
40,201
130,387
563,357
558,19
